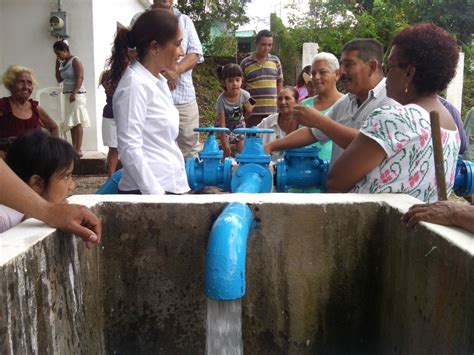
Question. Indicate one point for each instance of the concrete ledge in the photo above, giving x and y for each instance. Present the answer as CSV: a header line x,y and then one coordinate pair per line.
x,y
326,273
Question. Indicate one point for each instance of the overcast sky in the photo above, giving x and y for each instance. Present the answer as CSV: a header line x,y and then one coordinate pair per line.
x,y
259,12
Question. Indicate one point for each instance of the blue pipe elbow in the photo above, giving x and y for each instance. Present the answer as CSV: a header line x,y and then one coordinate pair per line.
x,y
226,253
110,186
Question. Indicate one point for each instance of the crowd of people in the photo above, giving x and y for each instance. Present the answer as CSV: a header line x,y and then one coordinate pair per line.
x,y
377,136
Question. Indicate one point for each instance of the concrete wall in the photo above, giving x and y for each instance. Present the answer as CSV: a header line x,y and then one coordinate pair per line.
x,y
25,39
325,274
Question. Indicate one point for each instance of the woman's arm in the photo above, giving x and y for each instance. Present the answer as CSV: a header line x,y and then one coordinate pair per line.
x,y
47,122
360,158
56,71
299,138
79,76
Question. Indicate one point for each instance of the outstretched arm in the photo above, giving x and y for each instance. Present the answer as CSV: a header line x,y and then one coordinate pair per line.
x,y
296,139
74,219
338,133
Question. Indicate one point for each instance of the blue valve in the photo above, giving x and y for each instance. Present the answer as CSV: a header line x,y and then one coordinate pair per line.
x,y
301,168
209,169
253,163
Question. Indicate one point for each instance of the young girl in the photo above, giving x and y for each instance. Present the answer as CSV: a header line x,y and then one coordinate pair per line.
x,y
43,162
232,106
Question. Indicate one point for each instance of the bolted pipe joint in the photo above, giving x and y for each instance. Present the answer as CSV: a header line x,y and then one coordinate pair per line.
x,y
301,168
209,169
463,180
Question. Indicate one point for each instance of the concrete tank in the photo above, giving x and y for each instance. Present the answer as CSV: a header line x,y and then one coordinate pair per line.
x,y
326,274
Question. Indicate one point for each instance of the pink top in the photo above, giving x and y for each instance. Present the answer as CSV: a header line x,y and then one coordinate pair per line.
x,y
12,126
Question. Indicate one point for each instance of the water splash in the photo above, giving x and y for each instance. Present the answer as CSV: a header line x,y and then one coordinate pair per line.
x,y
224,327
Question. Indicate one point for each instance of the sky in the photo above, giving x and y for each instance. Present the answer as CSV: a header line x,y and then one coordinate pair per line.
x,y
259,12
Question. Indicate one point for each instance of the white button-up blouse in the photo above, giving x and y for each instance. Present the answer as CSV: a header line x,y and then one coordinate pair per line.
x,y
147,127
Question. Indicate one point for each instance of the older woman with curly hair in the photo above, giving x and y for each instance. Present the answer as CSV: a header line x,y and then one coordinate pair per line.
x,y
393,152
18,112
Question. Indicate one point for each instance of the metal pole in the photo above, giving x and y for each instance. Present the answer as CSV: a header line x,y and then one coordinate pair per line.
x,y
438,156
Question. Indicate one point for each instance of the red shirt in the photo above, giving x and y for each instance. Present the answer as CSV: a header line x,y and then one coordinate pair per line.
x,y
12,126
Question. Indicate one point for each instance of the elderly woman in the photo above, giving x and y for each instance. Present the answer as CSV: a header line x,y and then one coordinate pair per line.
x,y
281,122
324,75
18,112
70,71
393,151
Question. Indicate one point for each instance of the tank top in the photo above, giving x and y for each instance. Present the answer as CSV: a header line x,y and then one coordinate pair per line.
x,y
66,70
12,126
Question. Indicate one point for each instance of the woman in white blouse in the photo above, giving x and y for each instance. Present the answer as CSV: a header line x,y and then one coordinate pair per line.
x,y
147,121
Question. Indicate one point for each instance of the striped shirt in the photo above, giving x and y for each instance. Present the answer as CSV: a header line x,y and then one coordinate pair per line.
x,y
261,82
346,111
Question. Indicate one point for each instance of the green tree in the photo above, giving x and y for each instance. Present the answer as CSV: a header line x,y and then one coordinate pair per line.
x,y
206,12
285,49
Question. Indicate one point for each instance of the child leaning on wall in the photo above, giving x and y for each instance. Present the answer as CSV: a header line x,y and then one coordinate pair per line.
x,y
233,106
43,162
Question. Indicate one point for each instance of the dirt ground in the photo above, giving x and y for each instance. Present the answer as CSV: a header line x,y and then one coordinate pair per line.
x,y
88,184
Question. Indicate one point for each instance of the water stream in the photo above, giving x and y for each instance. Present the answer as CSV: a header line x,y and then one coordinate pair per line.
x,y
224,327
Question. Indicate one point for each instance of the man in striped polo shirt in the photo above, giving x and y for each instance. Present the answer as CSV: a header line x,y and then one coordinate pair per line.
x,y
263,78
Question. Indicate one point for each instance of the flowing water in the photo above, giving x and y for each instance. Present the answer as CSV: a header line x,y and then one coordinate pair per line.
x,y
224,327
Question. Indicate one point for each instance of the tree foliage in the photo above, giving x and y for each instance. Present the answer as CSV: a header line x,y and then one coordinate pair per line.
x,y
333,23
205,12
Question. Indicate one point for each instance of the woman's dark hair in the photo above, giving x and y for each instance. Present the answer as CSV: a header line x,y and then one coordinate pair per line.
x,y
118,60
153,25
230,70
432,51
38,153
61,46
301,81
294,92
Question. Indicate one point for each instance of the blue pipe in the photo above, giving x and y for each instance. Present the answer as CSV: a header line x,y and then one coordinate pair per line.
x,y
227,246
226,251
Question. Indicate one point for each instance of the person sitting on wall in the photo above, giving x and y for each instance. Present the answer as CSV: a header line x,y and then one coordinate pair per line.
x,y
394,152
18,112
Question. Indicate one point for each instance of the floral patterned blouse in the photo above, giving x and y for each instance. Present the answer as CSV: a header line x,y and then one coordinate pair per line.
x,y
404,133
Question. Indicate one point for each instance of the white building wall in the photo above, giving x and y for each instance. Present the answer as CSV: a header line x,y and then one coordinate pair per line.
x,y
25,39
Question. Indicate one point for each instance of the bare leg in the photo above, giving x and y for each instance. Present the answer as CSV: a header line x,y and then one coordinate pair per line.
x,y
77,133
112,161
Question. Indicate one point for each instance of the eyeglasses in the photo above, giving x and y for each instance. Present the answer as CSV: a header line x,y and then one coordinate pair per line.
x,y
386,67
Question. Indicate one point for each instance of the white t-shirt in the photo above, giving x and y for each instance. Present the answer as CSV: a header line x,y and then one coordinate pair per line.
x,y
147,128
272,123
9,218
